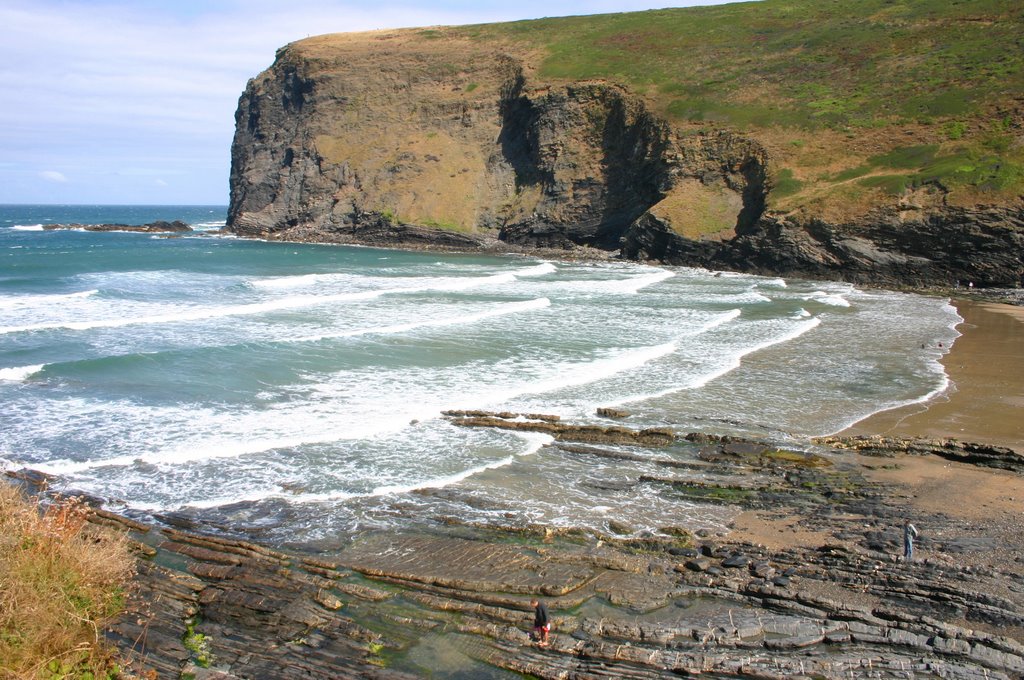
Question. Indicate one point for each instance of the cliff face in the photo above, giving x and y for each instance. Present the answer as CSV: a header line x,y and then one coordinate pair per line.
x,y
340,145
385,139
896,245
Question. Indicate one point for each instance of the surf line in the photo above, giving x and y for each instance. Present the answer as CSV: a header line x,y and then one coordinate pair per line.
x,y
501,310
449,285
535,441
730,366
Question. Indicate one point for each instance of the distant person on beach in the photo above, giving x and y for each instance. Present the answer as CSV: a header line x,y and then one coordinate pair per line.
x,y
909,534
541,623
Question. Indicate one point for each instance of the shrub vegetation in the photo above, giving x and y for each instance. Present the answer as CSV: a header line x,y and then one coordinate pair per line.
x,y
61,581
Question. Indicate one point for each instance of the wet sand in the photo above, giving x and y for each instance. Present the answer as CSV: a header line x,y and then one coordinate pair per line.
x,y
985,400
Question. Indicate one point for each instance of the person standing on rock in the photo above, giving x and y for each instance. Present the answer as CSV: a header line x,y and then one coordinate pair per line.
x,y
541,623
909,534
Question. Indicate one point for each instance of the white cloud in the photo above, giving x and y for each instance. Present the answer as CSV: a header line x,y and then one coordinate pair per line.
x,y
99,86
53,176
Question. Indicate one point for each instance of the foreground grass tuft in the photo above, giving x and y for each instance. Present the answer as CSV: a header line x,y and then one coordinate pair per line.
x,y
61,580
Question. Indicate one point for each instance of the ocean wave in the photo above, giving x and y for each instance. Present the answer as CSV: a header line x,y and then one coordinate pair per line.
x,y
539,270
728,366
314,420
297,281
460,319
944,384
295,302
636,284
719,320
576,374
16,301
629,285
833,299
453,283
534,440
27,227
329,496
19,373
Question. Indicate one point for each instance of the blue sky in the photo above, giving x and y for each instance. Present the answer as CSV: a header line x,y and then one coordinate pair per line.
x,y
133,102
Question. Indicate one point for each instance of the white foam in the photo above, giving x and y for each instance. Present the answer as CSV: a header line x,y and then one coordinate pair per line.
x,y
500,310
451,283
944,382
539,270
385,490
288,303
44,300
439,482
20,373
802,313
636,284
582,374
728,366
629,285
944,385
27,227
824,298
222,447
535,441
315,420
719,320
298,281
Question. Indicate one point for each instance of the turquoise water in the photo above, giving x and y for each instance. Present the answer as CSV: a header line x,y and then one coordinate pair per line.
x,y
298,387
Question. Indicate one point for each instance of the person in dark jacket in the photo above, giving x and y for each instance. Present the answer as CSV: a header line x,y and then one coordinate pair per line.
x,y
541,622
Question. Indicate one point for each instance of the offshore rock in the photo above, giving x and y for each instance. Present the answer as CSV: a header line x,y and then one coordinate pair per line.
x,y
158,227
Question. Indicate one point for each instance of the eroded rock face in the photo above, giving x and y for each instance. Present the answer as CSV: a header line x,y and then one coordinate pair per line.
x,y
892,245
387,140
333,144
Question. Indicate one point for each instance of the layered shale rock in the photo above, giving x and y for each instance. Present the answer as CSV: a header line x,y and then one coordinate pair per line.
x,y
443,599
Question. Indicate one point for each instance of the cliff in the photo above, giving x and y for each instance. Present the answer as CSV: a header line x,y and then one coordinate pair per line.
x,y
828,142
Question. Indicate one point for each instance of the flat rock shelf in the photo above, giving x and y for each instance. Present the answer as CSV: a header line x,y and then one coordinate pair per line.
x,y
453,599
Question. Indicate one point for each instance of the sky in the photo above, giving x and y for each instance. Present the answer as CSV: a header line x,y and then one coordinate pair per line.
x,y
133,102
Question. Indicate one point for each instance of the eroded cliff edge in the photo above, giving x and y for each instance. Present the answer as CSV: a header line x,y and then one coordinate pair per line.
x,y
385,139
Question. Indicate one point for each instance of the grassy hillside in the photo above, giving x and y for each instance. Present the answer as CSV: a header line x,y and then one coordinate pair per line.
x,y
856,101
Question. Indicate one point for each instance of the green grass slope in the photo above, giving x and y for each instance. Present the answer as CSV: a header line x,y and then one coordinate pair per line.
x,y
856,101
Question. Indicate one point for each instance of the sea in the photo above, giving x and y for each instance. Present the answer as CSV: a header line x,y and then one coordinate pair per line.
x,y
293,393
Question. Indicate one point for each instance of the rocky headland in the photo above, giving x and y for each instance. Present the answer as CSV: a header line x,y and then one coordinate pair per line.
x,y
478,138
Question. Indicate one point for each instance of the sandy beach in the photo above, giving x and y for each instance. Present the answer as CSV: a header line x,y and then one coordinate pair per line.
x,y
985,399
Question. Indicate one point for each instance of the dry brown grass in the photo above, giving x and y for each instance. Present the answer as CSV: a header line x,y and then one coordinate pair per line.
x,y
61,579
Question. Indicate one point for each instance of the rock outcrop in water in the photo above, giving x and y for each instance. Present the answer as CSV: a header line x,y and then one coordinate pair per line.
x,y
387,139
158,227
